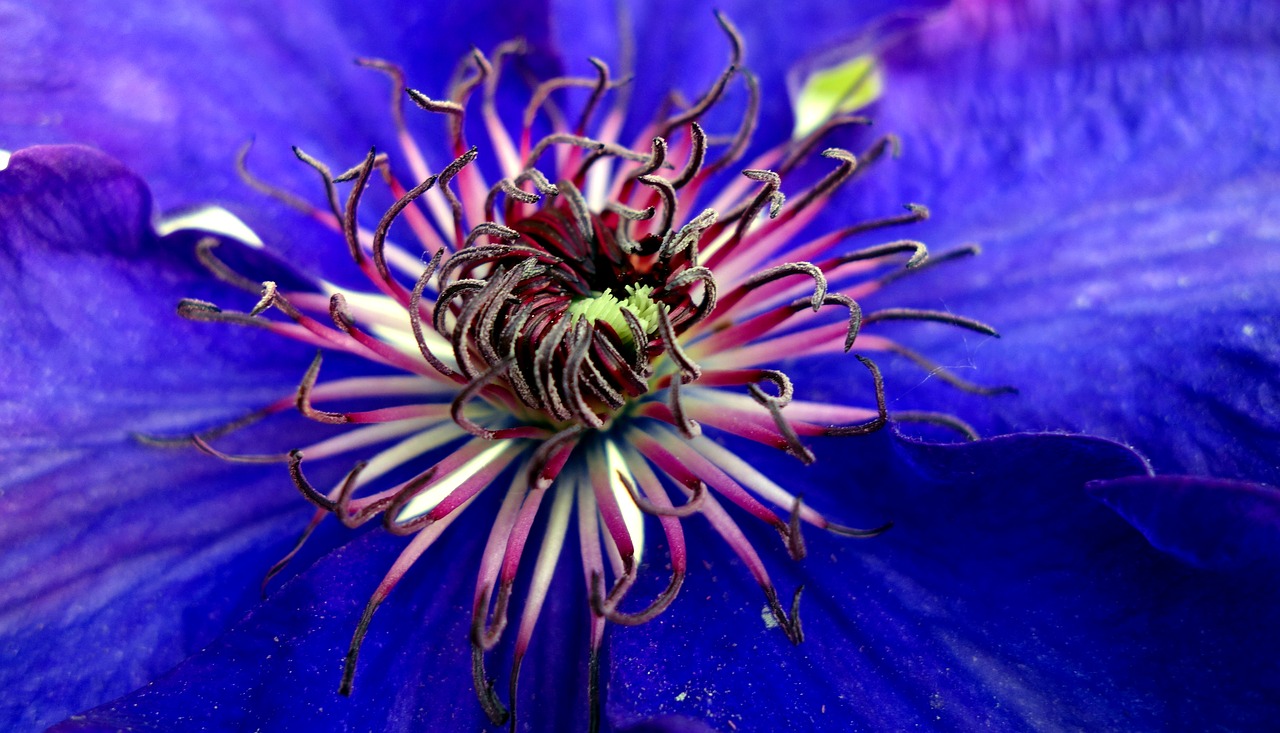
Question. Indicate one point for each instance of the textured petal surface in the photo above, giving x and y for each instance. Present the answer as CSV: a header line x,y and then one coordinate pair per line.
x,y
1117,162
120,558
1208,523
1004,598
279,669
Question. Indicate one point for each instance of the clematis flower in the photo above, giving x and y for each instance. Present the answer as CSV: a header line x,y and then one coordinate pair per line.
x,y
1006,596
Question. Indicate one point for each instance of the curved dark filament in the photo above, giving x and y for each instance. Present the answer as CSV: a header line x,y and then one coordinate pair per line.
x,y
293,201
303,400
937,370
914,314
688,509
882,417
941,419
317,517
353,650
790,624
208,449
489,702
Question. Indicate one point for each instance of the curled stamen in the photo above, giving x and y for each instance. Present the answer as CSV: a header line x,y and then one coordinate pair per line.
x,y
672,345
697,154
304,396
940,419
469,392
204,254
882,410
688,509
790,624
914,314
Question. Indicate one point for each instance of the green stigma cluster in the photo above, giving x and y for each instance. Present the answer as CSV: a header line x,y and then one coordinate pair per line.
x,y
606,307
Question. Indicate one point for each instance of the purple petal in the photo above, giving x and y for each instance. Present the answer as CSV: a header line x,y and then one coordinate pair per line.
x,y
1004,598
1208,523
175,90
121,558
1117,162
680,46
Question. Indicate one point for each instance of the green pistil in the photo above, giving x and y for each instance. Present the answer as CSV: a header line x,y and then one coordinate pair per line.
x,y
606,307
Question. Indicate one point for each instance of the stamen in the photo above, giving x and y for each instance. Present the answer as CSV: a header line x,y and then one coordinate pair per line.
x,y
914,314
940,419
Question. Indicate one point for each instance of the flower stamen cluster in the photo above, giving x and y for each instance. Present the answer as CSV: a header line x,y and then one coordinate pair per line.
x,y
575,327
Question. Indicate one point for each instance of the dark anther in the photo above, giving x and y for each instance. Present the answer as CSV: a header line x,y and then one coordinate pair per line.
x,y
489,229
746,128
776,273
204,447
855,314
919,253
657,156
788,433
350,228
303,400
340,507
913,314
415,319
710,293
941,372
687,236
844,531
769,194
407,493
452,109
206,312
940,419
288,199
468,392
326,176
353,651
968,250
801,150
551,456
670,201
593,691
606,605
585,143
204,253
489,701
717,88
308,491
672,345
790,625
274,570
384,226
455,205
882,417
581,211
690,429
795,538
697,154
690,507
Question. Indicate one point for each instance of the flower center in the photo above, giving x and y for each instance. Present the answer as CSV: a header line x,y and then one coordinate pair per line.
x,y
580,346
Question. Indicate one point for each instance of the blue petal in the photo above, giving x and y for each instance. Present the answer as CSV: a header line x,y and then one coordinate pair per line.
x,y
1208,523
279,669
1117,161
1004,598
120,558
